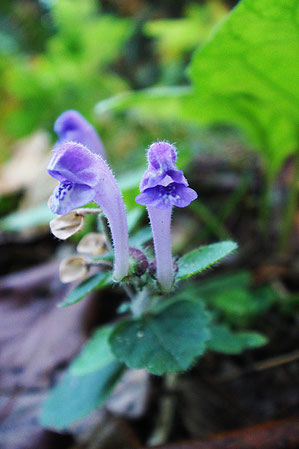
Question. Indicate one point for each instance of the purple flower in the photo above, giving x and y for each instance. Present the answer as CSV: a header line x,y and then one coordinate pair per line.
x,y
164,197
161,170
162,187
85,176
71,126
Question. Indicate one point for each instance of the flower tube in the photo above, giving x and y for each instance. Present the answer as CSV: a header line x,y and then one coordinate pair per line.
x,y
162,187
83,177
71,126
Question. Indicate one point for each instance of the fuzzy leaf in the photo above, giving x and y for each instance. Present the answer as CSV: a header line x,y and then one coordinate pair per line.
x,y
95,282
95,354
228,342
76,396
201,258
168,341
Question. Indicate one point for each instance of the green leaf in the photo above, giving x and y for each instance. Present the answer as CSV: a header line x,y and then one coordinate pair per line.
x,y
201,258
141,237
76,396
211,287
35,216
176,37
95,354
228,342
237,81
96,282
238,304
133,217
168,341
130,179
232,297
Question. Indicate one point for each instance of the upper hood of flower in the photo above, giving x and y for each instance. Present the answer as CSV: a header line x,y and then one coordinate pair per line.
x,y
75,163
162,169
72,126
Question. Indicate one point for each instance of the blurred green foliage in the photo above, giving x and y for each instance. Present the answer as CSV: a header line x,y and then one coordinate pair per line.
x,y
244,75
175,39
73,71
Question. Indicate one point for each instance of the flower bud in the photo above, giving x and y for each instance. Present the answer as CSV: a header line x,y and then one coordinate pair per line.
x,y
67,225
93,243
73,268
152,268
139,262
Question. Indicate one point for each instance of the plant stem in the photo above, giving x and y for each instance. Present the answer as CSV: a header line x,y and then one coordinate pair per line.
x,y
140,303
235,198
166,413
290,209
88,211
161,227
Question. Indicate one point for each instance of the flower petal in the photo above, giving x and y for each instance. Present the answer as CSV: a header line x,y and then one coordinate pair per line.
x,y
161,155
68,196
152,178
161,167
164,197
184,196
72,126
74,162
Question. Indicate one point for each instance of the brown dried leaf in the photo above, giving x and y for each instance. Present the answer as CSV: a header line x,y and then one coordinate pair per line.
x,y
29,160
37,341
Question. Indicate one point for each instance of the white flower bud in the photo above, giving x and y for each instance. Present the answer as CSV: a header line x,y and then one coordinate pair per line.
x,y
93,243
66,225
73,268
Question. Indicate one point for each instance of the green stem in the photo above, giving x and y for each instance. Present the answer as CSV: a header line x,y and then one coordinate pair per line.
x,y
166,413
290,209
140,303
235,198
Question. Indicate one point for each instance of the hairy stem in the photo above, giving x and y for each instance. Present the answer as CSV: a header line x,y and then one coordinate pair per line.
x,y
161,221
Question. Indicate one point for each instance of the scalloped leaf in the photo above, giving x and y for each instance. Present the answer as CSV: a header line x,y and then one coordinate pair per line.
x,y
202,258
168,341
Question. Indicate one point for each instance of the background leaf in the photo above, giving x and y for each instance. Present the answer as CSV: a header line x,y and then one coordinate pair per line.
x,y
168,341
95,354
232,297
259,37
228,342
76,396
203,257
21,220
